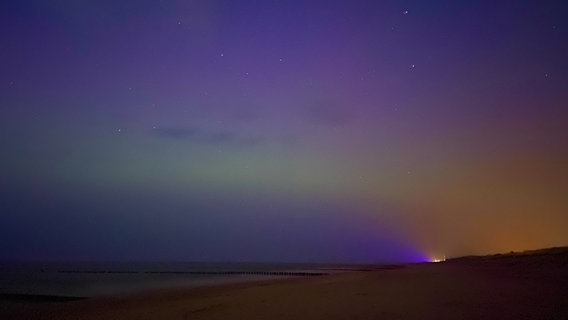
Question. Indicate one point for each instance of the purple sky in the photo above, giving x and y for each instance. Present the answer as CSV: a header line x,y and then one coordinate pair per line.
x,y
344,131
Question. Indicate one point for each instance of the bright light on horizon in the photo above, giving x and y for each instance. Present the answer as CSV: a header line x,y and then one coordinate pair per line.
x,y
436,260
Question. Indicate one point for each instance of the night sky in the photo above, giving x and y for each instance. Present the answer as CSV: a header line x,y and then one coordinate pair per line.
x,y
308,131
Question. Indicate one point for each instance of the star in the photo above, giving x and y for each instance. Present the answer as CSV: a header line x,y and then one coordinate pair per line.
x,y
405,12
412,66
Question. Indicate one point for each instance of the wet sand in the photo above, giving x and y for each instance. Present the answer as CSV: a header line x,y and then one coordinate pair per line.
x,y
527,286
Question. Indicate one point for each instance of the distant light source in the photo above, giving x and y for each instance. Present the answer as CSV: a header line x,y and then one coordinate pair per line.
x,y
436,260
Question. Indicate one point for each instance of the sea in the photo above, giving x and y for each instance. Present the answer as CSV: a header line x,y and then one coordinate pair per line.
x,y
93,279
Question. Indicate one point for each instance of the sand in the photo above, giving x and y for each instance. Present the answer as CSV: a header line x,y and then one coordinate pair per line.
x,y
531,286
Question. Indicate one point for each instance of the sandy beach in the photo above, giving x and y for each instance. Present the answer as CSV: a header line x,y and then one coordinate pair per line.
x,y
529,286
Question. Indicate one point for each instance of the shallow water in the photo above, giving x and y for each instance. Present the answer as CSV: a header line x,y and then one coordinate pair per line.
x,y
88,279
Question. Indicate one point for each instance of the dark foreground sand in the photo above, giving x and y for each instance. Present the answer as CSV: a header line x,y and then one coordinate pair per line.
x,y
531,286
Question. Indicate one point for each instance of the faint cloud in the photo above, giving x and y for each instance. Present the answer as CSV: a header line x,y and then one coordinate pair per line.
x,y
204,136
176,132
329,114
236,112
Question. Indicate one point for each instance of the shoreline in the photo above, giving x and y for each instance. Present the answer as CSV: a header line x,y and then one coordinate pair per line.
x,y
512,287
29,306
84,280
